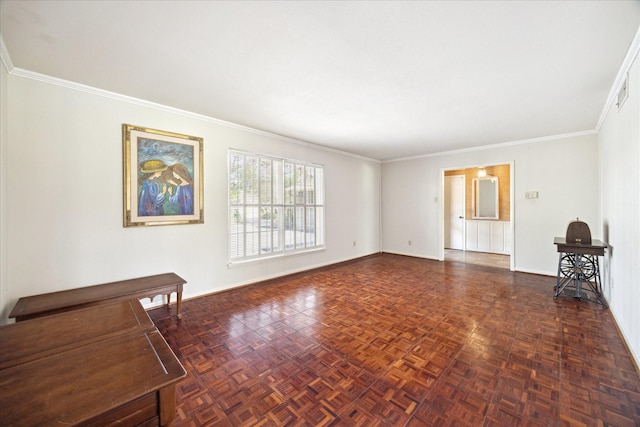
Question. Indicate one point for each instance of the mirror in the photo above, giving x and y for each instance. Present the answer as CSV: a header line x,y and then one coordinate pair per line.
x,y
484,201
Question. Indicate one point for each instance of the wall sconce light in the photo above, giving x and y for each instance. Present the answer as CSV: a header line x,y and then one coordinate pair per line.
x,y
482,172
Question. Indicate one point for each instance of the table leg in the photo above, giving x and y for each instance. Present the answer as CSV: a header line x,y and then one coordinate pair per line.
x,y
559,273
167,405
578,275
563,279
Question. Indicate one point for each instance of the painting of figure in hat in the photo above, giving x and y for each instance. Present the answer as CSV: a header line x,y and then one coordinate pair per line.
x,y
165,182
180,190
152,193
163,177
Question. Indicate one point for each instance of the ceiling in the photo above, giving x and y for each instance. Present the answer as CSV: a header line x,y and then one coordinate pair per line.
x,y
384,80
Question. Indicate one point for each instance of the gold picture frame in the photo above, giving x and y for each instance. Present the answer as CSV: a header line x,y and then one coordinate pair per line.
x,y
163,177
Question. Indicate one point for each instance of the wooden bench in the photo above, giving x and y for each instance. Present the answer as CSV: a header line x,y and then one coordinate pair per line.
x,y
57,302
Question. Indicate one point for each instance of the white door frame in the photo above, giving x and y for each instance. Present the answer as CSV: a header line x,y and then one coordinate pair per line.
x,y
512,252
447,203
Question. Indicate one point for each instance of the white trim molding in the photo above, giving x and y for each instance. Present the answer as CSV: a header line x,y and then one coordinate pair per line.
x,y
498,145
612,99
4,56
148,104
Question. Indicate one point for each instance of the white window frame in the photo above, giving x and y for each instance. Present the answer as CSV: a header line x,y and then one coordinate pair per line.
x,y
268,217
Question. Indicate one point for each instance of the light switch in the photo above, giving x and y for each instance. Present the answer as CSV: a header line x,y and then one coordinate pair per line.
x,y
531,195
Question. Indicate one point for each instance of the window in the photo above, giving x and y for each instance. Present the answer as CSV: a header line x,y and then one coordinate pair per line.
x,y
276,206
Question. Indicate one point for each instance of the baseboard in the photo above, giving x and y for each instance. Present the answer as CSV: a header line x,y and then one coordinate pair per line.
x,y
635,358
538,272
414,255
262,280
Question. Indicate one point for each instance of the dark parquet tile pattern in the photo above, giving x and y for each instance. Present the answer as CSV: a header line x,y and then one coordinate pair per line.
x,y
390,340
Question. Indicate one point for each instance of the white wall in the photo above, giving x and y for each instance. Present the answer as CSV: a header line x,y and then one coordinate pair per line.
x,y
619,140
63,204
563,170
3,159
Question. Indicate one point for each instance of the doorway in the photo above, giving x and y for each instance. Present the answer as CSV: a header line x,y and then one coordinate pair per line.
x,y
466,237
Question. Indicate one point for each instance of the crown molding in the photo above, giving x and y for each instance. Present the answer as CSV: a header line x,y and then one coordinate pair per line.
x,y
152,105
632,53
5,59
499,145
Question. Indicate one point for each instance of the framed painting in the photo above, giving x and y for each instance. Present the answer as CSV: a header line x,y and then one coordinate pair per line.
x,y
162,177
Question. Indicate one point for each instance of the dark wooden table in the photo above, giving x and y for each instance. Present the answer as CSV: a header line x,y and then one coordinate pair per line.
x,y
578,264
596,247
102,365
24,341
142,287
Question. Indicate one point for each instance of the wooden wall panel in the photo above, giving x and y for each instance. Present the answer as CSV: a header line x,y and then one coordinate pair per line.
x,y
503,172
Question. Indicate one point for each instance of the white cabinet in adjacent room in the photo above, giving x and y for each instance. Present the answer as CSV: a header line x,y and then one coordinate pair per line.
x,y
488,236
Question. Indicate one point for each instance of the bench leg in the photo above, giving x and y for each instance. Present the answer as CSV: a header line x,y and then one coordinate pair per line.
x,y
179,304
179,295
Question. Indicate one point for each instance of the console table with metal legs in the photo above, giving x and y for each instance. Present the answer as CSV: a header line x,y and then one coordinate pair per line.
x,y
578,265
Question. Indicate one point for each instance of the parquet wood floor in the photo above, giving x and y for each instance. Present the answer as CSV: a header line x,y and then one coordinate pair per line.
x,y
390,341
482,258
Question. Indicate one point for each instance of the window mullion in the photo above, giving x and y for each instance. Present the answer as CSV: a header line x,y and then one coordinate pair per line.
x,y
244,206
259,183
